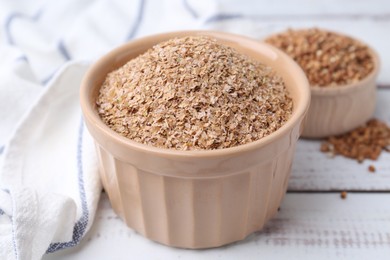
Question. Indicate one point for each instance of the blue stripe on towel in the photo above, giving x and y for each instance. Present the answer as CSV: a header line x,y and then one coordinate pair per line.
x,y
81,225
138,20
5,190
62,49
22,58
16,15
189,8
222,17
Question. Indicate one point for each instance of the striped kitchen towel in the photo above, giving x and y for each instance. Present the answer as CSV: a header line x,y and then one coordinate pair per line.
x,y
50,186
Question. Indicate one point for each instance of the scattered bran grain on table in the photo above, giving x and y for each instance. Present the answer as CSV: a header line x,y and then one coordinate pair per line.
x,y
365,142
194,93
328,59
371,168
343,195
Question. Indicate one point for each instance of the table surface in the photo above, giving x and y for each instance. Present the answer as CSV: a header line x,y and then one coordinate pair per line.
x,y
314,222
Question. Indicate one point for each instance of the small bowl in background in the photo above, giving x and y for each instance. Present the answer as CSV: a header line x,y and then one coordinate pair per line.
x,y
338,109
196,199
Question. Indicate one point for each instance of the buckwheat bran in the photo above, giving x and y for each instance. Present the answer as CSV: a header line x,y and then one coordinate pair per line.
x,y
328,59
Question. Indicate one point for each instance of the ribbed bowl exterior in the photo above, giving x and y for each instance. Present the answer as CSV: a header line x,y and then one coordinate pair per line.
x,y
336,111
200,211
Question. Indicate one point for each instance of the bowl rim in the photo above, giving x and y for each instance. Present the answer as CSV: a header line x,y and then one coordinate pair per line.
x,y
298,113
344,88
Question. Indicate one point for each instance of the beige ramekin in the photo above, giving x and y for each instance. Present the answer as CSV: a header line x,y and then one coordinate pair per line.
x,y
196,199
337,110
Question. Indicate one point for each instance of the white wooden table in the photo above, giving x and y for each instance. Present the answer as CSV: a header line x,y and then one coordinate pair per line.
x,y
314,222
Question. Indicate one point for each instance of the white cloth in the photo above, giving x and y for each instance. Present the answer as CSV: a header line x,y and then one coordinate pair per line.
x,y
50,184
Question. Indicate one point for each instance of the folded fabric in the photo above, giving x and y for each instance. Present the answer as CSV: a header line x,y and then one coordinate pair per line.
x,y
49,171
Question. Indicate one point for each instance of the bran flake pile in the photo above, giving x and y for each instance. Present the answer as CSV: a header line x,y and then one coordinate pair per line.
x,y
194,93
328,59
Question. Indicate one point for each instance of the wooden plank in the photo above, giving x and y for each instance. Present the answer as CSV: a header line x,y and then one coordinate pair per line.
x,y
313,170
308,226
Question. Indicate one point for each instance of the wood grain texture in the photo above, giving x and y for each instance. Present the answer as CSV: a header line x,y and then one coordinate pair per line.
x,y
315,226
313,170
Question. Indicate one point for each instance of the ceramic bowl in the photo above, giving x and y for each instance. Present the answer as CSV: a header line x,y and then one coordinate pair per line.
x,y
196,199
337,110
